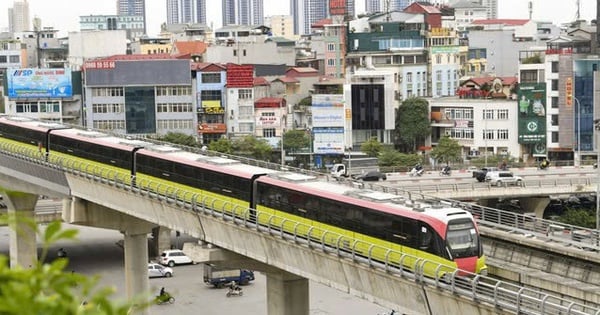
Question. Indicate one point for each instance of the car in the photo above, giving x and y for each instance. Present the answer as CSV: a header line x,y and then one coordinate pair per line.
x,y
174,257
156,270
371,176
503,178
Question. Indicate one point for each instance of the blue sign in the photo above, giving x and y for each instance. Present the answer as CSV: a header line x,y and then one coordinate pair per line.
x,y
39,83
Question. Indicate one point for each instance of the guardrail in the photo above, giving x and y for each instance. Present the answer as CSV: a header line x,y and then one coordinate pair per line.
x,y
510,298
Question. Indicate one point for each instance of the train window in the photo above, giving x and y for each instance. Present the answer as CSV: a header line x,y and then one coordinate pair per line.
x,y
425,238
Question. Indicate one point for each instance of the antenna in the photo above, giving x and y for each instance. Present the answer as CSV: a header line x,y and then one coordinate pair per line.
x,y
530,9
387,10
578,13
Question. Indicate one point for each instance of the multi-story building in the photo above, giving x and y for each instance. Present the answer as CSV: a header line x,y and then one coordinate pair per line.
x,y
243,44
567,71
305,13
92,44
243,12
467,11
122,98
151,46
133,25
239,98
132,7
210,96
281,25
379,6
186,12
18,17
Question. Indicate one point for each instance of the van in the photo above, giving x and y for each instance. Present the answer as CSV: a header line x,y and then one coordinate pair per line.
x,y
174,257
503,178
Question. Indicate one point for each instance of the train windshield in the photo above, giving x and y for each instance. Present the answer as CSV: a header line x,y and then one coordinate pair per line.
x,y
462,239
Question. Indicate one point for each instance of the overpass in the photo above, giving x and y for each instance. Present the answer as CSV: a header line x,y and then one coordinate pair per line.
x,y
94,197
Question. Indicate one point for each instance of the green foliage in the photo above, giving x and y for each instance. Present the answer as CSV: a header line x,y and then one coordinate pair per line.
x,y
294,140
222,145
579,217
447,150
372,147
179,138
532,59
392,158
493,160
307,101
413,123
47,289
253,147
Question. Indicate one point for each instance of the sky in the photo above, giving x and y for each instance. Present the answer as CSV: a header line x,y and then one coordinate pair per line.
x,y
66,18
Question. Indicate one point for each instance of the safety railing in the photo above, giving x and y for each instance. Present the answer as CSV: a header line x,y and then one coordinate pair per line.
x,y
510,298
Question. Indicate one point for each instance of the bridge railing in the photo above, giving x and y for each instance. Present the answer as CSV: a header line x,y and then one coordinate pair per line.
x,y
508,297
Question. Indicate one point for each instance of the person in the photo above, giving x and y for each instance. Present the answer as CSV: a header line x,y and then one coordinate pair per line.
x,y
162,291
233,286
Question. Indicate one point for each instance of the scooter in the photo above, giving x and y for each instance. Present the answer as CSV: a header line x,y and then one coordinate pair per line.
x,y
235,291
415,172
164,298
445,171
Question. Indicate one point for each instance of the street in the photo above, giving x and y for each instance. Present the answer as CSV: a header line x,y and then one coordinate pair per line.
x,y
97,252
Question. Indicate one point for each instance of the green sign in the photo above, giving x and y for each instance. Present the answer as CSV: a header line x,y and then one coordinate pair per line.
x,y
532,113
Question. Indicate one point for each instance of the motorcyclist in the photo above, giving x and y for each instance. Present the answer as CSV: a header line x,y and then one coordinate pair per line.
x,y
446,169
544,163
233,286
61,252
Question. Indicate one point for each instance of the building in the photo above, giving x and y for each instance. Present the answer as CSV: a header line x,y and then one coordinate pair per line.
x,y
91,45
123,94
379,6
305,13
18,17
467,11
243,12
132,24
132,7
281,25
186,12
210,95
151,46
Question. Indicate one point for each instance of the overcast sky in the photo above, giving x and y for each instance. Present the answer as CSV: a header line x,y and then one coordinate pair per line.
x,y
64,14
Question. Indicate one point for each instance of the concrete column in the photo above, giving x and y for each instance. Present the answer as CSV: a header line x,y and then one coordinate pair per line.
x,y
287,294
23,242
162,239
136,264
535,204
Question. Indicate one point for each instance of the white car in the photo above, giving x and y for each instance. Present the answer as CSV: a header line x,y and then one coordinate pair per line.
x,y
503,178
174,257
156,270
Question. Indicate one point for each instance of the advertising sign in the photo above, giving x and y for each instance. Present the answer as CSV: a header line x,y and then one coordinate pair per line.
x,y
328,140
337,7
40,83
532,114
328,110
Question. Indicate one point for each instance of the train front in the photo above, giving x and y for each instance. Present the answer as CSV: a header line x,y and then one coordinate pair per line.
x,y
465,247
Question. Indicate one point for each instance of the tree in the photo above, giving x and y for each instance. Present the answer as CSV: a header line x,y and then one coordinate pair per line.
x,y
447,150
179,138
46,288
413,123
222,145
252,147
372,147
295,140
393,158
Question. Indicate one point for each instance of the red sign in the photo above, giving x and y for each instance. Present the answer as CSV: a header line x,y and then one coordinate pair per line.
x,y
106,64
337,7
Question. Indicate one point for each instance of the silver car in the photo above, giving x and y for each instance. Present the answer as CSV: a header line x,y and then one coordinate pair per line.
x,y
157,270
503,178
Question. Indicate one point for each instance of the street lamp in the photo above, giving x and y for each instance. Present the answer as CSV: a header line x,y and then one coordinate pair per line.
x,y
597,127
485,133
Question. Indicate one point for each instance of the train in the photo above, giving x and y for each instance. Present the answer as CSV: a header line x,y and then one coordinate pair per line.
x,y
377,224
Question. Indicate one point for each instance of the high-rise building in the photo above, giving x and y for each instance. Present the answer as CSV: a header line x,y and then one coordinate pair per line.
x,y
132,7
186,11
372,6
18,17
243,12
492,8
307,12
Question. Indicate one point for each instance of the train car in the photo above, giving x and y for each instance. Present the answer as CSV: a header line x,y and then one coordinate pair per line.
x,y
28,131
438,233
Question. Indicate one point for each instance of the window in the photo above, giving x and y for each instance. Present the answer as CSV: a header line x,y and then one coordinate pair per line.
x,y
555,136
554,101
3,59
14,59
488,134
245,94
488,114
211,78
529,76
269,132
554,66
503,134
502,114
331,62
554,85
330,47
409,77
554,120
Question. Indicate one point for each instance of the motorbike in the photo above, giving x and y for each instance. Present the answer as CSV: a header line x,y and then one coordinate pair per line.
x,y
543,165
446,171
235,291
416,172
164,298
62,253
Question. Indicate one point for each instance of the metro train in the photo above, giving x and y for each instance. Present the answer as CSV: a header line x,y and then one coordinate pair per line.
x,y
438,233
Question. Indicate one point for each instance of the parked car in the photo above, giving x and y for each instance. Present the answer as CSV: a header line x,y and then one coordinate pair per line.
x,y
174,257
156,270
371,176
503,178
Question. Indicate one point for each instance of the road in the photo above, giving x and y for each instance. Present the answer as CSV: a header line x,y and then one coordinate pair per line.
x,y
96,252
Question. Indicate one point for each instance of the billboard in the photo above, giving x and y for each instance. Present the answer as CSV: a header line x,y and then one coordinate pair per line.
x,y
337,7
39,83
532,114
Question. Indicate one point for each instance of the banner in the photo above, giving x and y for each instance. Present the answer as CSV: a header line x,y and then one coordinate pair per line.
x,y
39,83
